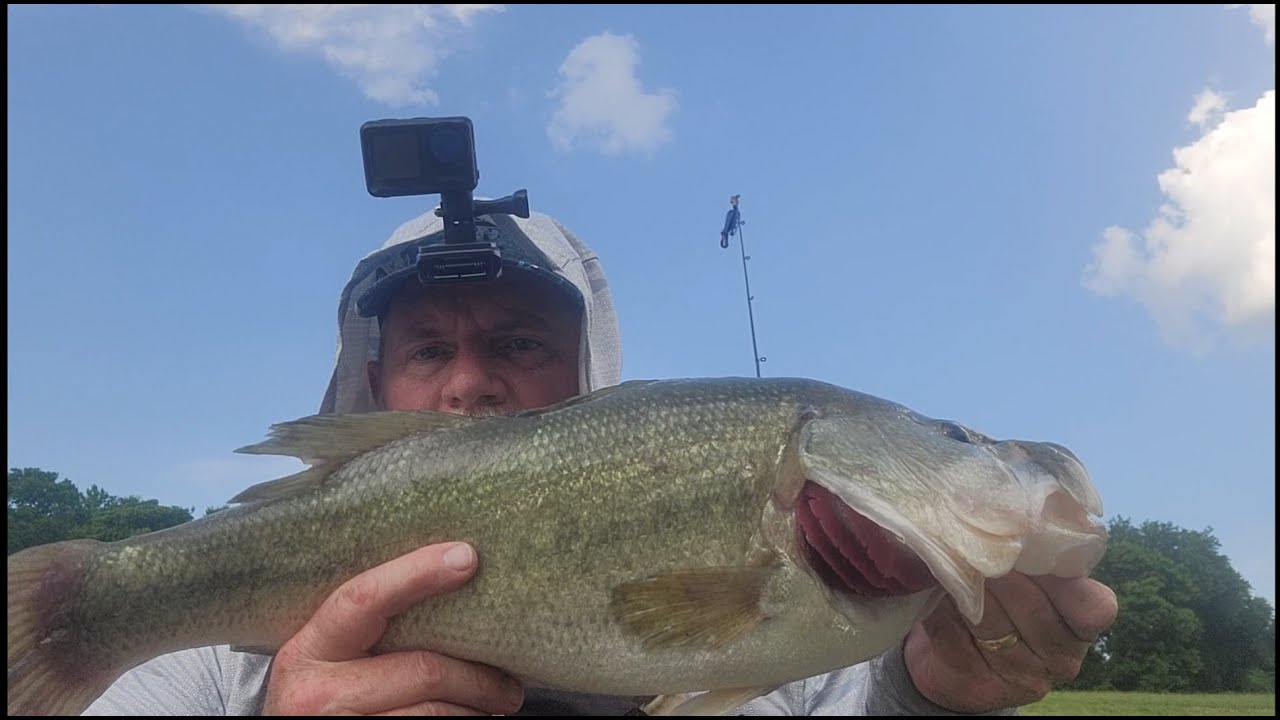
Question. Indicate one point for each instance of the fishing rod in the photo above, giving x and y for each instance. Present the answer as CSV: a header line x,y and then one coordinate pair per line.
x,y
733,223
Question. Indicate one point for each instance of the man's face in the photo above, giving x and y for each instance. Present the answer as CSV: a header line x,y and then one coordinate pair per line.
x,y
477,349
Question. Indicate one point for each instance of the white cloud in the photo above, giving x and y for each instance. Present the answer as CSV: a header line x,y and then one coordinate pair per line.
x,y
1205,265
601,102
1264,16
1207,260
388,50
1207,109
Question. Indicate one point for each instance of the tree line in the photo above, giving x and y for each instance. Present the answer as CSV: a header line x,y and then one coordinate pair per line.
x,y
44,509
1188,621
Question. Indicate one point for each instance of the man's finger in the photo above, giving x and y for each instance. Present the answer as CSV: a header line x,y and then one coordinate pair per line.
x,y
354,616
1058,651
1037,620
947,668
1086,606
1017,663
406,679
995,624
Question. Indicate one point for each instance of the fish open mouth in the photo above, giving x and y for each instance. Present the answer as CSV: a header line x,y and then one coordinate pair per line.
x,y
851,553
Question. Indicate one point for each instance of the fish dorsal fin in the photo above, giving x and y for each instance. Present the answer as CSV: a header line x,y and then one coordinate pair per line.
x,y
324,438
285,486
326,442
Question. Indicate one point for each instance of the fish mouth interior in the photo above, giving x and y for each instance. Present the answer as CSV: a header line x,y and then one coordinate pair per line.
x,y
852,554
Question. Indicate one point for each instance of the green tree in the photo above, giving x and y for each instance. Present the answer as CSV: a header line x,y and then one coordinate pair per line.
x,y
1154,643
1221,603
42,508
1261,674
133,516
1187,619
96,498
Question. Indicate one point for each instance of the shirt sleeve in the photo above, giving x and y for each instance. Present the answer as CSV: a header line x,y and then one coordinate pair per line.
x,y
880,686
200,681
889,690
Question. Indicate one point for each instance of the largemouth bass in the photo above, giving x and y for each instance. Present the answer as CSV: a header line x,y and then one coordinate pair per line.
x,y
654,538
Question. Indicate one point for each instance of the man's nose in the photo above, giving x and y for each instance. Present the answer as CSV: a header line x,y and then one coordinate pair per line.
x,y
474,384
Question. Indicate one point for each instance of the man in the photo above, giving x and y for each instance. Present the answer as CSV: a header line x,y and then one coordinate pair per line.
x,y
544,332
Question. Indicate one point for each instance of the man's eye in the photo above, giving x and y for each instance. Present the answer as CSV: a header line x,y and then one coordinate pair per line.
x,y
431,352
522,345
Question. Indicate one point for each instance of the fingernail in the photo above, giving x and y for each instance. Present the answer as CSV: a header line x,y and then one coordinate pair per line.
x,y
460,557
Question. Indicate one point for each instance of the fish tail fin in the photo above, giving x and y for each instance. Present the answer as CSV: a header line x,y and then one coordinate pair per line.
x,y
49,674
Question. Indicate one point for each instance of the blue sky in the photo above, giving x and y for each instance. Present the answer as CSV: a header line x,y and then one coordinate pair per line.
x,y
1050,223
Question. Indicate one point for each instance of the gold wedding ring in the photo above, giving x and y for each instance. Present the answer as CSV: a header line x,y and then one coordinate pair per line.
x,y
998,644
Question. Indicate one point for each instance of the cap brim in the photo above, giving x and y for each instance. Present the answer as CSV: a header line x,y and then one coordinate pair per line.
x,y
374,301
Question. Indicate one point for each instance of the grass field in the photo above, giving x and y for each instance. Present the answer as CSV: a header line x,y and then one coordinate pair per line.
x,y
1126,703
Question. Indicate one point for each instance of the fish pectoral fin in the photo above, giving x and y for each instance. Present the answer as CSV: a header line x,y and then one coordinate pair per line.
x,y
715,702
706,608
328,441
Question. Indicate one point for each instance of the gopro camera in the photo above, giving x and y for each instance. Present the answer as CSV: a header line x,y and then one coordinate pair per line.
x,y
428,156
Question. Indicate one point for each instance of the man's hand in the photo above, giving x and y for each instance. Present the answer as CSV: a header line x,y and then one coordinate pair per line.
x,y
327,669
1056,620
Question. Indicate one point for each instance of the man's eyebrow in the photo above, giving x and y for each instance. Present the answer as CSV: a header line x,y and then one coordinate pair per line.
x,y
523,321
424,328
420,331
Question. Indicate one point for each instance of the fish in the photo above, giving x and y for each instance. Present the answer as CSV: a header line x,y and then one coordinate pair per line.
x,y
699,539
